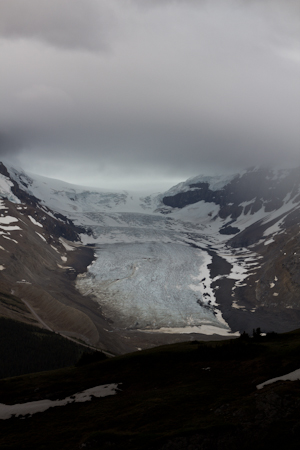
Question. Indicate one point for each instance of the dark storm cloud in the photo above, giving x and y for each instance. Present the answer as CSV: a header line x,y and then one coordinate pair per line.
x,y
180,88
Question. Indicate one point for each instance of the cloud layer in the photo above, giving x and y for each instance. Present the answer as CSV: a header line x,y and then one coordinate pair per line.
x,y
132,90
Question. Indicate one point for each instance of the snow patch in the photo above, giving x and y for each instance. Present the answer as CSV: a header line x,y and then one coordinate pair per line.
x,y
2,206
41,236
269,241
202,329
35,222
10,239
65,267
242,265
10,228
236,306
7,220
292,376
5,189
22,409
67,246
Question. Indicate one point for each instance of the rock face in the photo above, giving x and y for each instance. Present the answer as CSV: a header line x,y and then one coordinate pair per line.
x,y
258,188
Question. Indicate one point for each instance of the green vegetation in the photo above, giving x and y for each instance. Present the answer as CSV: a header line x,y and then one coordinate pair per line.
x,y
25,348
190,395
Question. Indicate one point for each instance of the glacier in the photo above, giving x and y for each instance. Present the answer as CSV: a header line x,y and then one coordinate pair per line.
x,y
149,285
151,268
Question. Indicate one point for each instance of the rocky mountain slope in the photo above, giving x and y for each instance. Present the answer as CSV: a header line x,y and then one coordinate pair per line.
x,y
41,255
122,271
258,211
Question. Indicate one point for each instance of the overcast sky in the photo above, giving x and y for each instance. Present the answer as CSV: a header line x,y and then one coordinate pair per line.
x,y
128,93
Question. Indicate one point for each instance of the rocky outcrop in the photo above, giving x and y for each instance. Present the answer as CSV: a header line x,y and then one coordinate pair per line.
x,y
257,187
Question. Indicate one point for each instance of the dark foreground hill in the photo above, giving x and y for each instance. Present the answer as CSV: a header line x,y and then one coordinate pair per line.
x,y
184,396
26,348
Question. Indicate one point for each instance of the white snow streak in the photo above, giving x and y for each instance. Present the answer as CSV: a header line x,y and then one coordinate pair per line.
x,y
292,376
7,220
22,409
67,246
35,222
41,236
202,329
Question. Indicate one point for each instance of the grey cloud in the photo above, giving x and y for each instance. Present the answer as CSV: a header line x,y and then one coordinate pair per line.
x,y
183,89
8,144
78,24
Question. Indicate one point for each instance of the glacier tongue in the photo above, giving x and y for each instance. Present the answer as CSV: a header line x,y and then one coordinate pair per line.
x,y
146,275
149,285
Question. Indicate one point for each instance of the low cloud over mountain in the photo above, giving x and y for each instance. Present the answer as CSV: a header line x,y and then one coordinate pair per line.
x,y
118,92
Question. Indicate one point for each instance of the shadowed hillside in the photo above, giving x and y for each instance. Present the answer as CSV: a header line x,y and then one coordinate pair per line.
x,y
184,396
25,348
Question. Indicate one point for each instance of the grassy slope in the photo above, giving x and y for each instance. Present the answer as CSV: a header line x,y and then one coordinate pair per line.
x,y
25,348
167,400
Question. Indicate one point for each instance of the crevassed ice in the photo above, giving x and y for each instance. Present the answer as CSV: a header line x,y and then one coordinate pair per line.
x,y
148,285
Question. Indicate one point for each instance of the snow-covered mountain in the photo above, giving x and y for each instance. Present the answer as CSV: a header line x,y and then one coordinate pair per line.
x,y
211,255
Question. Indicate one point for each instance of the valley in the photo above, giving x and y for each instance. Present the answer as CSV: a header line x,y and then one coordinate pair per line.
x,y
168,288
210,258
